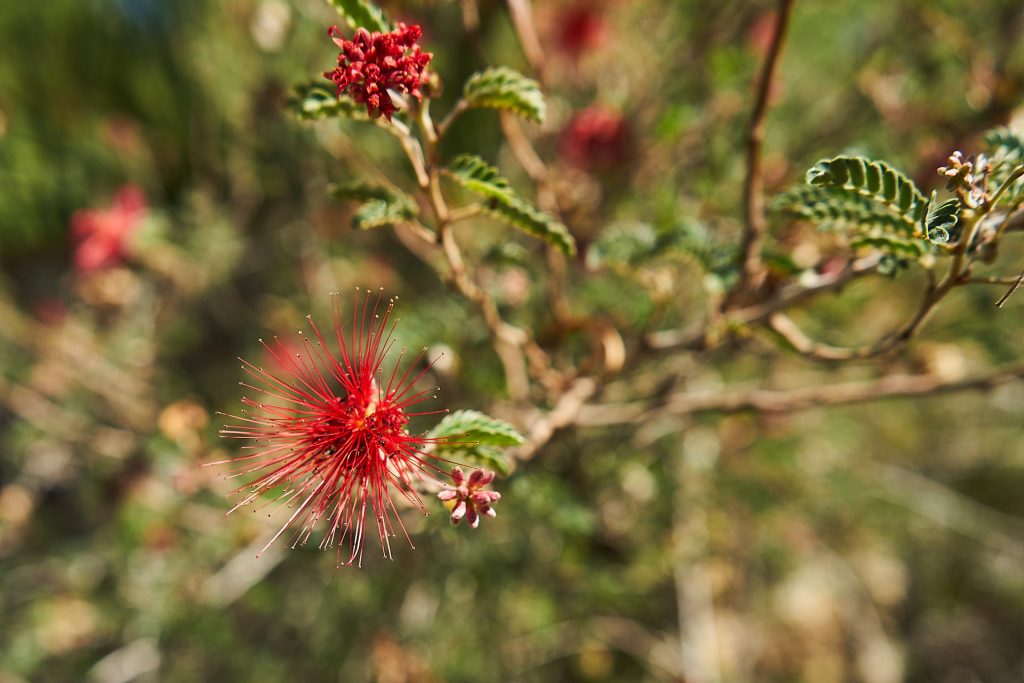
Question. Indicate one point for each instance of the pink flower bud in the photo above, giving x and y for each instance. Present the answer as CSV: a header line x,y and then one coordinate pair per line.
x,y
473,500
459,512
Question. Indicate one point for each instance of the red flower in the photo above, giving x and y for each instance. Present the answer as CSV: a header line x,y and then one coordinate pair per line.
x,y
336,441
581,29
101,235
372,63
596,139
469,498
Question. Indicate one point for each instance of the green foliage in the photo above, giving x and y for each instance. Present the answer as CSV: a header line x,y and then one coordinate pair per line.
x,y
477,439
359,190
875,180
502,202
384,205
318,100
629,248
636,243
837,209
625,244
474,426
874,205
1004,144
115,548
942,219
1006,154
379,214
361,14
505,88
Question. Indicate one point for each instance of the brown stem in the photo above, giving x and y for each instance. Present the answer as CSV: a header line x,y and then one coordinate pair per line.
x,y
564,414
995,280
1013,288
755,223
518,352
768,401
464,213
447,121
521,148
696,338
788,330
522,19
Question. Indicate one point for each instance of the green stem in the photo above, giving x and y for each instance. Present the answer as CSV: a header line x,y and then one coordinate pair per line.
x,y
1017,173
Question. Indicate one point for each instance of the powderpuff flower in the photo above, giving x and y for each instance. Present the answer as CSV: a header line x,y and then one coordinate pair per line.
x,y
371,64
334,442
596,139
467,498
101,236
581,29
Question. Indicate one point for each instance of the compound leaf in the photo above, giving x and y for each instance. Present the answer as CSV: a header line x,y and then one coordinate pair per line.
x,y
361,14
505,88
313,101
502,202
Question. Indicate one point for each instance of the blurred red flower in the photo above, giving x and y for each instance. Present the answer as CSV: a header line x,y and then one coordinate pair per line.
x,y
596,139
337,440
581,29
101,236
372,63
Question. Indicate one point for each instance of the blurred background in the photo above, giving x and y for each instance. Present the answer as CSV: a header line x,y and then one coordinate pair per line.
x,y
160,210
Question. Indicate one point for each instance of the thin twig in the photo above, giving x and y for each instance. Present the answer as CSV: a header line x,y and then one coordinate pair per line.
x,y
769,401
522,19
787,297
992,280
782,325
755,224
957,275
522,149
464,213
1010,180
564,414
803,344
1013,288
510,341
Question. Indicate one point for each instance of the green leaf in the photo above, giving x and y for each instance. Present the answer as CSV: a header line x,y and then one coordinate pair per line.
x,y
1006,149
484,457
505,88
1004,143
313,101
876,181
839,210
384,205
507,254
874,205
624,244
379,214
477,176
361,14
638,243
942,219
477,439
361,191
891,244
477,428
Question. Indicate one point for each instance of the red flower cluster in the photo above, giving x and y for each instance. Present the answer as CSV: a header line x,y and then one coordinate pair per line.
x,y
468,498
372,63
597,139
336,441
101,235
